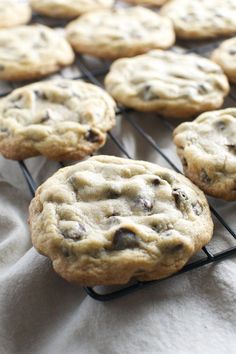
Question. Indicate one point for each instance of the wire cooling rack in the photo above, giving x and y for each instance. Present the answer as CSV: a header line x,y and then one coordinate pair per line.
x,y
84,69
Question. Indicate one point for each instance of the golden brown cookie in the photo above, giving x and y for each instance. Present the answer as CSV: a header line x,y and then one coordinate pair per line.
x,y
207,148
172,84
121,32
108,220
30,52
14,13
61,119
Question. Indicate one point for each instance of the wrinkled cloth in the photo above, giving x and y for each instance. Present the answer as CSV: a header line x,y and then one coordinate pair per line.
x,y
40,313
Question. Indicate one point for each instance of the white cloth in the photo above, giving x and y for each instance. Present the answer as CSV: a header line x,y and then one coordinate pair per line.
x,y
40,313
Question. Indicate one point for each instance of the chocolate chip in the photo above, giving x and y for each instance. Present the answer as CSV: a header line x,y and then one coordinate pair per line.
x,y
184,162
75,233
231,147
156,181
232,51
147,94
143,203
2,67
202,89
46,117
40,95
176,248
204,177
65,252
220,125
125,238
180,197
112,194
197,208
92,136
4,130
43,36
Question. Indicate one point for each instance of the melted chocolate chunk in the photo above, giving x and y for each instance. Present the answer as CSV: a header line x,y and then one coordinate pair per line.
x,y
202,89
180,197
156,181
75,233
197,208
112,194
4,130
147,94
176,248
46,117
143,203
232,148
232,51
40,95
220,125
204,177
92,136
124,239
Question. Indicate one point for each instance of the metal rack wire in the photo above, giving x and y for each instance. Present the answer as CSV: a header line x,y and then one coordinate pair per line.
x,y
93,76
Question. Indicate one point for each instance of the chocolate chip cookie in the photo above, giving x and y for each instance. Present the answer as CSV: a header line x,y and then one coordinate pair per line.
x,y
172,84
225,56
207,148
13,13
108,220
202,19
68,8
61,119
121,32
30,52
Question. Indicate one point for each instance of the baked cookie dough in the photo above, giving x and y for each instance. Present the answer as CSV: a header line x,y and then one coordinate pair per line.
x,y
108,220
225,56
201,19
13,13
172,84
61,119
68,8
30,52
121,32
207,148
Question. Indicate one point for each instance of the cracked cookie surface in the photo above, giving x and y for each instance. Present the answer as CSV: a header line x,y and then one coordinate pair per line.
x,y
30,52
68,8
108,220
60,119
207,148
13,13
120,32
202,19
172,84
225,56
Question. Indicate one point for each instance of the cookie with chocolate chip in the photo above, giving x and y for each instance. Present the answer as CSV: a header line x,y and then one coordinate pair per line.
x,y
13,13
225,56
120,32
29,52
172,84
68,8
207,148
201,19
61,119
108,220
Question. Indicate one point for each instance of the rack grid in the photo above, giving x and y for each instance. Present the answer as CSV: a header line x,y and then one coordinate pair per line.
x,y
95,76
